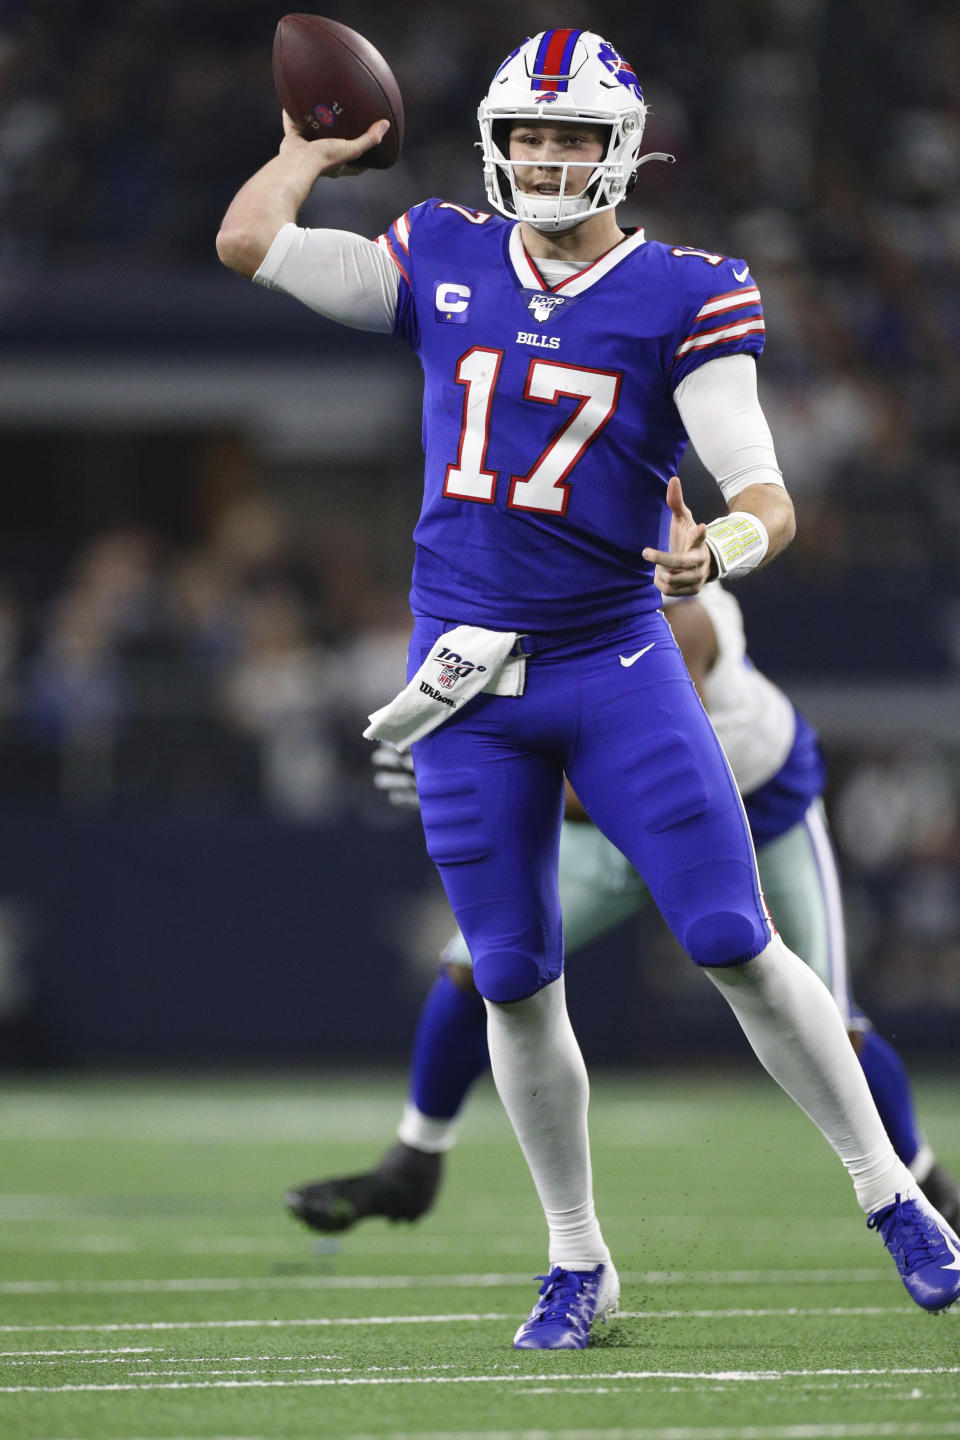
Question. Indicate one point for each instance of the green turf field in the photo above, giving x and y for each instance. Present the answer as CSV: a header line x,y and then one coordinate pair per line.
x,y
152,1285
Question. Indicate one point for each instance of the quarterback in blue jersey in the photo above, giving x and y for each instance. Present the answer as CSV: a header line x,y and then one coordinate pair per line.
x,y
566,364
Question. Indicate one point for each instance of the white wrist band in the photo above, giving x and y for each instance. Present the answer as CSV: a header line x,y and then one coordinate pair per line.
x,y
738,542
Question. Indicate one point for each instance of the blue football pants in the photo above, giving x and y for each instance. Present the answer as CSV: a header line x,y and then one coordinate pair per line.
x,y
642,756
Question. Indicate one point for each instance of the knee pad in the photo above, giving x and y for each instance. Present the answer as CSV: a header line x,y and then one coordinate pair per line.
x,y
716,911
507,975
725,937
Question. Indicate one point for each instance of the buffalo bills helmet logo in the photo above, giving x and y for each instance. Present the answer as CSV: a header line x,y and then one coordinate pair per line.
x,y
513,54
619,67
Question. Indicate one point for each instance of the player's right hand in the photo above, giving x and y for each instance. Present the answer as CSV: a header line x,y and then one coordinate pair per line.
x,y
393,773
332,157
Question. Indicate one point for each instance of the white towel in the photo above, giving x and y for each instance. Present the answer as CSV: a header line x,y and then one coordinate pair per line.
x,y
461,663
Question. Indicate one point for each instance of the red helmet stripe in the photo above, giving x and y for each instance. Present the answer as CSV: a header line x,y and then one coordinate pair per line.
x,y
551,69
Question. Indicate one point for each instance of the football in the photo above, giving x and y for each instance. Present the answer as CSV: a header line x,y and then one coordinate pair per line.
x,y
331,81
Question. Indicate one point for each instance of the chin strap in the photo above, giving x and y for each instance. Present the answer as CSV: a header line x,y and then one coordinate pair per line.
x,y
543,211
656,155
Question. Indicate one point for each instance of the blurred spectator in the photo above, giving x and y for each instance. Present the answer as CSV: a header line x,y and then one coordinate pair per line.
x,y
76,687
279,691
897,815
245,664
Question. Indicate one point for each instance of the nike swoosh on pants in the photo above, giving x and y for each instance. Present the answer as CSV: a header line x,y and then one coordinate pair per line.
x,y
627,660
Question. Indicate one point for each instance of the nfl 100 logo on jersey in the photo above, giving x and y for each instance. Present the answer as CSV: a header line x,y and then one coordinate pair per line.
x,y
542,307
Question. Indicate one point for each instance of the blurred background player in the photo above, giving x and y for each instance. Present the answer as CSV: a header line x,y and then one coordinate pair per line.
x,y
776,759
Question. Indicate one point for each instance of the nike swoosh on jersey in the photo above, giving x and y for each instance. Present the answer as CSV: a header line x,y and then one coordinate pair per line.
x,y
741,275
627,660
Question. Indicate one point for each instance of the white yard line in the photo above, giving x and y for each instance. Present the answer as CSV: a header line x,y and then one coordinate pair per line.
x,y
162,1239
901,1310
320,1322
330,1114
604,1378
420,1282
15,1356
856,1430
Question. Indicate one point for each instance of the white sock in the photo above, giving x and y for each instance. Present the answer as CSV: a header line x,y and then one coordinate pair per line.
x,y
796,1030
541,1078
426,1132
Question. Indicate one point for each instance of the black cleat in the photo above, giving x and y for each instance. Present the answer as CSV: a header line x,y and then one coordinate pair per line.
x,y
402,1187
943,1192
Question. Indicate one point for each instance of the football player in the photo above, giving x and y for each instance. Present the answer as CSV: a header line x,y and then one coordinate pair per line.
x,y
566,363
777,763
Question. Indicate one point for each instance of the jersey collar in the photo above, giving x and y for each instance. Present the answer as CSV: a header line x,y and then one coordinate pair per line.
x,y
530,278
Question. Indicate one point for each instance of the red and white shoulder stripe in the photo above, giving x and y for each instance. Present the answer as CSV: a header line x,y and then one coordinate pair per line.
x,y
396,242
729,300
725,317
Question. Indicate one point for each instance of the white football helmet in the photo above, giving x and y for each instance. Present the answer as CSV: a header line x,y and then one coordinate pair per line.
x,y
563,75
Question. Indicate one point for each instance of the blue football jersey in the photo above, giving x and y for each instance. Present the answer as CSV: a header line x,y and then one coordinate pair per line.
x,y
549,425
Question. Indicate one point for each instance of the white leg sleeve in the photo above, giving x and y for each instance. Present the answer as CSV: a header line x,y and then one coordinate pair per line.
x,y
542,1080
796,1030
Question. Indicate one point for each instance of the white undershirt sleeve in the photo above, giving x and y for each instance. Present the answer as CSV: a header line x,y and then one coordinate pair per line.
x,y
340,275
720,410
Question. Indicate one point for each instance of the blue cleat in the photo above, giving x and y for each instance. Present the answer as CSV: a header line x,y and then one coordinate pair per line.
x,y
570,1301
925,1248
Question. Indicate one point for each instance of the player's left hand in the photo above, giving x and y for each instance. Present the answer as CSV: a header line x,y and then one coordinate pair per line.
x,y
684,569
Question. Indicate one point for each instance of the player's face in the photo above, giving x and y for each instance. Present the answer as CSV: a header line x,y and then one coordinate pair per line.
x,y
548,144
